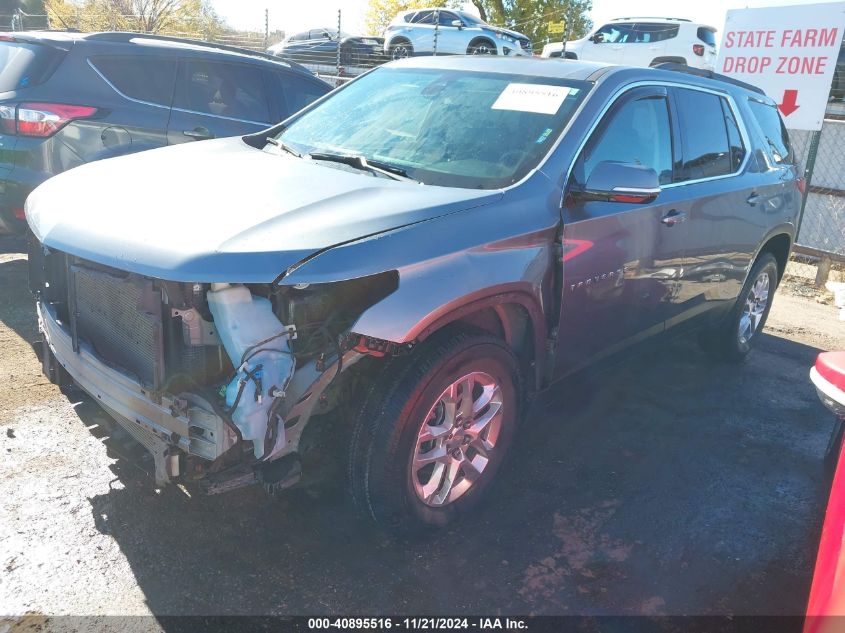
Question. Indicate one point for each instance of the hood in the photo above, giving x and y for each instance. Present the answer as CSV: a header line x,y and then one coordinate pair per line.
x,y
501,31
222,211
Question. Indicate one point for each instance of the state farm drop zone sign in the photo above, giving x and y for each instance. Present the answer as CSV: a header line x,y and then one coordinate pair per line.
x,y
790,39
790,52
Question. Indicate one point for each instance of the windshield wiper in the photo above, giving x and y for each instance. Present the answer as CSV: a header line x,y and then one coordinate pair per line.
x,y
364,164
283,146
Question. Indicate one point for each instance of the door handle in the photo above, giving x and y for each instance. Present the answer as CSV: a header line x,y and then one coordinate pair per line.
x,y
673,217
198,133
753,199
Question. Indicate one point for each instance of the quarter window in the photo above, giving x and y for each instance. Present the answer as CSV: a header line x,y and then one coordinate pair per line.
x,y
639,133
229,90
147,79
773,130
706,152
737,149
298,92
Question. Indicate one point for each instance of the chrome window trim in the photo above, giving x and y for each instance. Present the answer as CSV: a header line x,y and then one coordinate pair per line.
x,y
225,118
669,84
125,96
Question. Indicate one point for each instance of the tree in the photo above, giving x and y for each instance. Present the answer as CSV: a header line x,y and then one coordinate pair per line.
x,y
532,17
381,12
191,18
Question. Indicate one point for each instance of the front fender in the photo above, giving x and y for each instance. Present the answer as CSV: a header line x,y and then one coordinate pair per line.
x,y
467,258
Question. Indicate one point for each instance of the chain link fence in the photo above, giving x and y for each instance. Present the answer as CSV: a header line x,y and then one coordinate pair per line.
x,y
821,156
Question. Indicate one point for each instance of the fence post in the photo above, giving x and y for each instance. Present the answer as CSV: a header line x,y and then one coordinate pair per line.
x,y
808,176
266,28
436,29
337,68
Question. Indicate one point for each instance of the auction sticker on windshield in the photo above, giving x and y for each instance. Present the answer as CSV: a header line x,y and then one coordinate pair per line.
x,y
532,98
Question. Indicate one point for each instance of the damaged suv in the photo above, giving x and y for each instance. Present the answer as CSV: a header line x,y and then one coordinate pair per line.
x,y
399,267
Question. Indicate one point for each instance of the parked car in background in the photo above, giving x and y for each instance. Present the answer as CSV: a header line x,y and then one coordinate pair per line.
x,y
373,274
71,98
644,42
320,47
457,33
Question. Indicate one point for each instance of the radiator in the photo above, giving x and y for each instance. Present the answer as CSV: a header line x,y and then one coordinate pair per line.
x,y
121,317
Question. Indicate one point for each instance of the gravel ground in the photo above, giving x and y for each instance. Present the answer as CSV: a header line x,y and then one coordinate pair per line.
x,y
664,483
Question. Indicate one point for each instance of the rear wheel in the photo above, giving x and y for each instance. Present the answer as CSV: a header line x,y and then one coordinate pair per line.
x,y
434,431
734,339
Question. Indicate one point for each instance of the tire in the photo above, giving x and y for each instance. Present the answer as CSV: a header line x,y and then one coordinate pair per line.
x,y
387,478
734,338
400,49
481,47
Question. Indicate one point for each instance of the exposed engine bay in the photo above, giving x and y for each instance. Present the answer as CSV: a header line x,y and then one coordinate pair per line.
x,y
218,381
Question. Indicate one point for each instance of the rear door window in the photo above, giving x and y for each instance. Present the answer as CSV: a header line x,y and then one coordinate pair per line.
x,y
23,65
774,131
648,33
148,79
706,151
234,91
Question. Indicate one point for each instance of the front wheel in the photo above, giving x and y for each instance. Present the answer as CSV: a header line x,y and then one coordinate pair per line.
x,y
434,431
481,47
401,49
734,339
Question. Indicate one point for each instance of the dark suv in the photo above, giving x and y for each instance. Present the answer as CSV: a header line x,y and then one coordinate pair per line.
x,y
401,265
68,99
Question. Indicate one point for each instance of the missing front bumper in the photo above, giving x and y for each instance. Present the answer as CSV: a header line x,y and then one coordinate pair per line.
x,y
186,422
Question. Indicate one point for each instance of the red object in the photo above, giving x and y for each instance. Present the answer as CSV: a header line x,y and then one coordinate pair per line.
x,y
45,119
698,49
19,213
789,103
801,183
831,367
826,606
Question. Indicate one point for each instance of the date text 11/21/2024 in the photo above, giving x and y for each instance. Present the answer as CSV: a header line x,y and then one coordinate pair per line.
x,y
418,624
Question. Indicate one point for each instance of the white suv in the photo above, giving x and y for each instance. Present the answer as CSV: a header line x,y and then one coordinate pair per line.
x,y
456,33
644,42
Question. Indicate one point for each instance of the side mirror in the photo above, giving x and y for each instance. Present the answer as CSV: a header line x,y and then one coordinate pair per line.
x,y
611,181
458,23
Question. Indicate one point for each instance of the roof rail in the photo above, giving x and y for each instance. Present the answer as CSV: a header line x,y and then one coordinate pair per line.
x,y
651,17
709,74
125,36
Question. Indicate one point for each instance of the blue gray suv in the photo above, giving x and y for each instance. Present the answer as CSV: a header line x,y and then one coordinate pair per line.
x,y
402,265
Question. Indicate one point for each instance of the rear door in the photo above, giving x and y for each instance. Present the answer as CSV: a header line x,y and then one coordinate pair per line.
x,y
727,196
621,262
216,99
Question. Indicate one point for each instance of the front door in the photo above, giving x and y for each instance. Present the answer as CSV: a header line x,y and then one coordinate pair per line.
x,y
216,100
622,262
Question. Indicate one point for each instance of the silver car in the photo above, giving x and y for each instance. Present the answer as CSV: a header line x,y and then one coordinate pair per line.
x,y
425,31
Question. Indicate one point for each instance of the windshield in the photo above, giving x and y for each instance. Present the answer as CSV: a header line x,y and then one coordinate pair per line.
x,y
453,128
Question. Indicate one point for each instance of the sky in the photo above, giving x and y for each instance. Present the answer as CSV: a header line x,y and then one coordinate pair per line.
x,y
299,15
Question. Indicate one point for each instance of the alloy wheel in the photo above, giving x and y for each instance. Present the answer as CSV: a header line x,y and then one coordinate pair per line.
x,y
754,308
457,439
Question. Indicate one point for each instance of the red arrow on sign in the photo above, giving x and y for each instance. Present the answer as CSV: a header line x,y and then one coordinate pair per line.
x,y
788,105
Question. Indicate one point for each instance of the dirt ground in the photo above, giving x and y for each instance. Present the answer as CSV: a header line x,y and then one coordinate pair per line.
x,y
665,483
